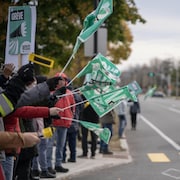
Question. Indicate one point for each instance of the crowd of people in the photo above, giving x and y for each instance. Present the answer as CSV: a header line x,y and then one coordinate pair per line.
x,y
31,103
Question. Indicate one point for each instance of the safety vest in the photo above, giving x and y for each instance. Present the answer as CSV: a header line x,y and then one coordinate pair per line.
x,y
6,106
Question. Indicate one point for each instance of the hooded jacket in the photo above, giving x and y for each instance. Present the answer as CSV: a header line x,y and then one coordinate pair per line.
x,y
65,102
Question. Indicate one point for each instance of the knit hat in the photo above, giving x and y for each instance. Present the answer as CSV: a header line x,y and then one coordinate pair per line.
x,y
26,73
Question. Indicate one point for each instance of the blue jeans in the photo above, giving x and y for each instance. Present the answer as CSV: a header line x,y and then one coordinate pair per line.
x,y
60,137
71,141
50,144
60,143
122,124
8,166
41,159
103,145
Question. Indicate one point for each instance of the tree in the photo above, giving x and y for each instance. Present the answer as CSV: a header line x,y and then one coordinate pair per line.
x,y
60,22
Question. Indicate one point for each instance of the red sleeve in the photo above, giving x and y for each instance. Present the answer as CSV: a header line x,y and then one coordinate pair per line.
x,y
31,112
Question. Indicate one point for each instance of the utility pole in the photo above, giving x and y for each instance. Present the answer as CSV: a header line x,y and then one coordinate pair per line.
x,y
177,81
95,34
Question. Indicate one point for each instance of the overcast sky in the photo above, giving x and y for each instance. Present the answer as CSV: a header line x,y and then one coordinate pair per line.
x,y
160,36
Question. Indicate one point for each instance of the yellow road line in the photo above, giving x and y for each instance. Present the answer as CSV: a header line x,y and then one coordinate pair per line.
x,y
158,157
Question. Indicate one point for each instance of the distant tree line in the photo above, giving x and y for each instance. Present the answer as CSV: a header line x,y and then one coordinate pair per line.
x,y
162,73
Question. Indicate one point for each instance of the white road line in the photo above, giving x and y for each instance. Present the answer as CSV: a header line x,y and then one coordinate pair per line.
x,y
174,110
170,141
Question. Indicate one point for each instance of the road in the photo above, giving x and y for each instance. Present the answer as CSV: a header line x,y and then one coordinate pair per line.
x,y
154,146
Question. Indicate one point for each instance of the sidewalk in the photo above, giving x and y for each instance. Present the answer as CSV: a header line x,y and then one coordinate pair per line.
x,y
101,161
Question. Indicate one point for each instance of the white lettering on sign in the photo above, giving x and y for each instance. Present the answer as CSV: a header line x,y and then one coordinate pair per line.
x,y
17,15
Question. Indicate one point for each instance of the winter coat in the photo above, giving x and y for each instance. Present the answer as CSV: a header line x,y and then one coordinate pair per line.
x,y
62,103
135,108
107,118
11,122
88,114
34,95
121,108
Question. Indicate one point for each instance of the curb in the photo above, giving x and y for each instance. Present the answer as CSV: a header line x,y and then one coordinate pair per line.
x,y
86,165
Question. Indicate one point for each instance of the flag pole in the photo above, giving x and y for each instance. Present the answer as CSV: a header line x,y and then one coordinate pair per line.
x,y
66,64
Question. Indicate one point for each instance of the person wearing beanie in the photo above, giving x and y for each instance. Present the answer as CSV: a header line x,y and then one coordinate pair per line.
x,y
15,87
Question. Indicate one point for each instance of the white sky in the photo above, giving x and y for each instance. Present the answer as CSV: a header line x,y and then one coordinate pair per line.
x,y
159,37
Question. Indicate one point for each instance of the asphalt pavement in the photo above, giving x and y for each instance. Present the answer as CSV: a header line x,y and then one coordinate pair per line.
x,y
85,165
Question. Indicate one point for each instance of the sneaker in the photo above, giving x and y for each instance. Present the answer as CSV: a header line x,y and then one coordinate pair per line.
x,y
82,156
47,174
107,152
61,169
35,174
71,160
51,170
92,157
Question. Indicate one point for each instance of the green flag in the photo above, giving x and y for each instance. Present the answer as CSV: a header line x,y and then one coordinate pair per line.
x,y
93,21
97,79
103,133
100,72
102,63
150,92
134,87
105,99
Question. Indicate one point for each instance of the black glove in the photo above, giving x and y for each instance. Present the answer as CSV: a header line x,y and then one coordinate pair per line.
x,y
60,91
52,100
52,83
55,117
47,122
26,73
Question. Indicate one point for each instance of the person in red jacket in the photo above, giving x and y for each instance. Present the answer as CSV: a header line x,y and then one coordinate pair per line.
x,y
67,103
11,124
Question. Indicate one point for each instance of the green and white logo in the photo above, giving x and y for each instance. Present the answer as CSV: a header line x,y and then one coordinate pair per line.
x,y
20,30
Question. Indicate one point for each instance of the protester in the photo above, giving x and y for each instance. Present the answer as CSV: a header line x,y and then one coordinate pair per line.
x,y
15,87
88,114
121,112
107,121
67,103
134,109
7,71
40,161
73,130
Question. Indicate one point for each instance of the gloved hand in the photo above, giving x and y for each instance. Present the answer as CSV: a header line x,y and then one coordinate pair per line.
x,y
55,117
52,82
26,73
52,100
60,91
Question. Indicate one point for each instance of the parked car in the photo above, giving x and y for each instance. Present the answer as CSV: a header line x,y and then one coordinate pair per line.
x,y
158,94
